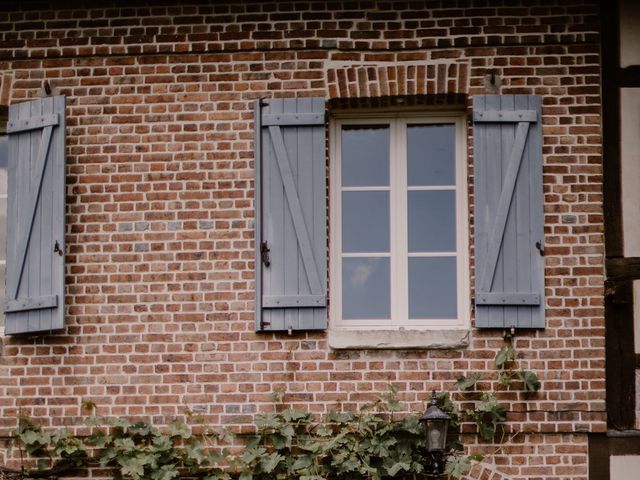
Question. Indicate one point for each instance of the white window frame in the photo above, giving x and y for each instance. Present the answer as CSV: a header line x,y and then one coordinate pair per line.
x,y
3,254
400,321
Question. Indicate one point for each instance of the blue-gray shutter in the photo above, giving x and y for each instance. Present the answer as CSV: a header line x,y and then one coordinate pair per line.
x,y
508,211
35,217
291,204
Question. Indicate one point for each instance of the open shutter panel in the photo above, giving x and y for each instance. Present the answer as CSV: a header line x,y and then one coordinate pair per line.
x,y
291,236
35,217
508,213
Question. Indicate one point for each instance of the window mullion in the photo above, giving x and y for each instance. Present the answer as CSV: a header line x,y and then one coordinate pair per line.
x,y
393,218
399,253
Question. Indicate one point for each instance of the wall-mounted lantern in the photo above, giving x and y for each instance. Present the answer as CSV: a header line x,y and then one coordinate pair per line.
x,y
436,424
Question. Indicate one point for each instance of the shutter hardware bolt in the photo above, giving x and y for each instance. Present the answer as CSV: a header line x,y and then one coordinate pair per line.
x,y
265,253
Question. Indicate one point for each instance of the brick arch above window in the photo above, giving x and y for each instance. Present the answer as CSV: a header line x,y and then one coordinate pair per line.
x,y
375,80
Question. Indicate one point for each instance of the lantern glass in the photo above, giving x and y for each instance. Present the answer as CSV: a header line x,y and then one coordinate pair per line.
x,y
436,423
436,431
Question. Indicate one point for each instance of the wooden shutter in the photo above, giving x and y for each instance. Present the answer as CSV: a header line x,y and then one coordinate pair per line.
x,y
291,232
35,216
508,211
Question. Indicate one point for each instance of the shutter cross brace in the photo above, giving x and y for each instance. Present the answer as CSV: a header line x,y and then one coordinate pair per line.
x,y
41,163
506,196
295,208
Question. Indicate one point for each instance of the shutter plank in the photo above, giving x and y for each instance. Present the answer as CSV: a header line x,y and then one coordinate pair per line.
x,y
28,152
536,218
293,262
275,227
502,115
494,162
299,140
19,149
292,118
40,143
32,303
32,123
522,252
258,206
297,301
509,134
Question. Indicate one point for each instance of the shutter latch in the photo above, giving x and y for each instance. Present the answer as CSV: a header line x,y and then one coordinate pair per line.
x,y
540,248
57,249
264,253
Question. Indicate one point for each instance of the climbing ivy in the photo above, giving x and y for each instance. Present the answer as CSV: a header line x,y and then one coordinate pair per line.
x,y
377,442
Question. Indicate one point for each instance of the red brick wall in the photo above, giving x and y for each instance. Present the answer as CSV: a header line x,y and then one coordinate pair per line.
x,y
159,207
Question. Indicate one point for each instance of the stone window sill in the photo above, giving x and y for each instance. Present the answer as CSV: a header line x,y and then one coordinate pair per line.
x,y
443,339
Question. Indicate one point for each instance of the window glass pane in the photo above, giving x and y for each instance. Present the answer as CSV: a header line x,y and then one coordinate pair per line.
x,y
630,166
629,33
432,288
3,268
431,154
366,288
4,152
365,155
432,221
3,231
4,158
365,222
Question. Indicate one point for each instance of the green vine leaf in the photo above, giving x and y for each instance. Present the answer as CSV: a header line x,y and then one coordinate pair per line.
x,y
457,466
504,356
464,383
179,429
529,380
486,430
166,472
504,378
269,463
133,467
290,444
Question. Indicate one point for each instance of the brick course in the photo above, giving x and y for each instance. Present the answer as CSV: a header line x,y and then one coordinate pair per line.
x,y
160,210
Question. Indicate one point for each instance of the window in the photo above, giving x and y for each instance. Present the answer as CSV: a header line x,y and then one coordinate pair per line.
x,y
399,235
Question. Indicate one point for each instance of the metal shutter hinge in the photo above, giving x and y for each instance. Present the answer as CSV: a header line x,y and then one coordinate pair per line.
x,y
265,253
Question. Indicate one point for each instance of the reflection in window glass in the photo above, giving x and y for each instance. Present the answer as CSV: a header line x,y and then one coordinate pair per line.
x,y
629,33
630,166
365,155
399,252
432,221
432,287
365,222
366,288
431,154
